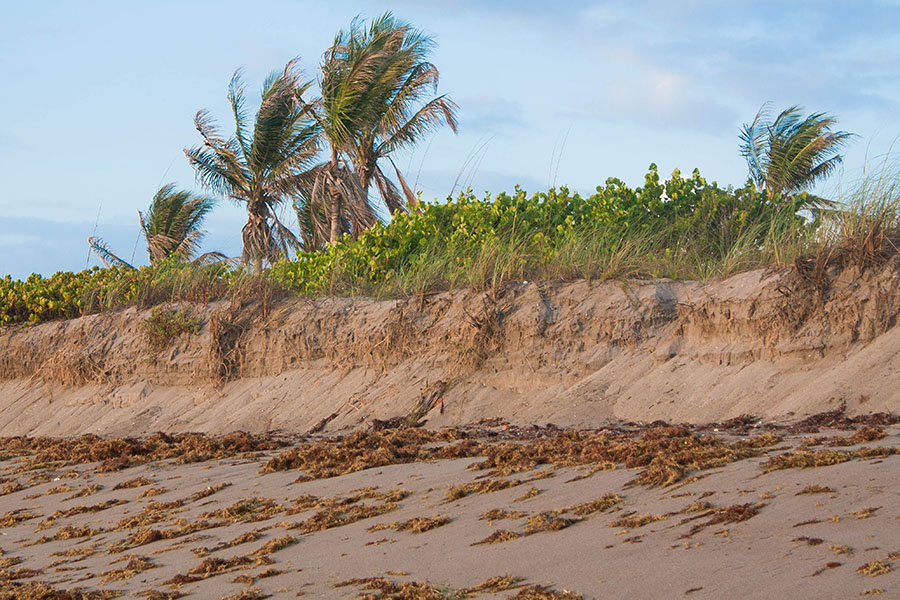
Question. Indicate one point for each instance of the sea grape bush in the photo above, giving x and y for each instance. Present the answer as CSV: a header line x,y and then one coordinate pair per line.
x,y
61,295
680,214
66,295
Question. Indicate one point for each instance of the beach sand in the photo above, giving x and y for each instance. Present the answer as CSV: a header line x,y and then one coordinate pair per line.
x,y
737,530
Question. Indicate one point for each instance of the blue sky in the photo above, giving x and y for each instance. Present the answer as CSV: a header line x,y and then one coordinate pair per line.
x,y
98,97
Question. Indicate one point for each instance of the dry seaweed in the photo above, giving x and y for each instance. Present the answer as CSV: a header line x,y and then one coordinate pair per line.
x,y
601,504
815,489
247,510
734,513
251,594
209,491
495,584
133,483
547,521
244,538
14,517
635,521
499,536
68,532
275,545
340,516
483,486
531,493
213,566
804,459
495,514
88,490
118,453
542,592
415,525
135,565
36,590
675,450
875,568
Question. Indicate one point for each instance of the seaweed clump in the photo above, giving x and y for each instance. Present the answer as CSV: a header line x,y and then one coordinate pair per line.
x,y
114,454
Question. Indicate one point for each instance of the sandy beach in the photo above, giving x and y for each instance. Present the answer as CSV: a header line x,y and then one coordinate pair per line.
x,y
558,515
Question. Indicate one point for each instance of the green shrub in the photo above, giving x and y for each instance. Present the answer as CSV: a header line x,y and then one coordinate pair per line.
x,y
683,227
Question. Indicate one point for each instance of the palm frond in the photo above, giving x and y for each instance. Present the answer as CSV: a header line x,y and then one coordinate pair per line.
x,y
237,101
106,256
389,193
791,153
374,82
753,147
411,199
171,225
189,245
349,70
420,79
430,117
215,258
219,169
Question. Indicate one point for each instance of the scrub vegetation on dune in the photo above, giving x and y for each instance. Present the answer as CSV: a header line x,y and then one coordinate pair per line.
x,y
679,228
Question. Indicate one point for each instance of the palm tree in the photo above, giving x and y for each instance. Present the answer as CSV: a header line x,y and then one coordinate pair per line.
x,y
790,154
337,204
371,81
265,168
171,225
397,117
171,228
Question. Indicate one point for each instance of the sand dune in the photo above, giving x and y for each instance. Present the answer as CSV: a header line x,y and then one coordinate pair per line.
x,y
575,354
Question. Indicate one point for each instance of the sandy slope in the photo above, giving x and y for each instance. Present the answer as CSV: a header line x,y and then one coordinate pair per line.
x,y
578,354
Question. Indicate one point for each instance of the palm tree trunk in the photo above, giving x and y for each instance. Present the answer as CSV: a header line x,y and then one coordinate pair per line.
x,y
335,216
254,237
365,179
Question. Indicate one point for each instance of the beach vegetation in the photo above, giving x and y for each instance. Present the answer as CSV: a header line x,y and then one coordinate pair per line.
x,y
171,228
265,164
790,153
682,228
373,81
166,323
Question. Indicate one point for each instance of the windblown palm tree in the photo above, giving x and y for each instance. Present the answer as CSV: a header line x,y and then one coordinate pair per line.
x,y
171,227
790,154
397,116
264,168
372,79
337,204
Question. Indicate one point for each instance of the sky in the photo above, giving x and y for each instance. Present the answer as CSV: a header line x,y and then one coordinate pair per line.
x,y
98,98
